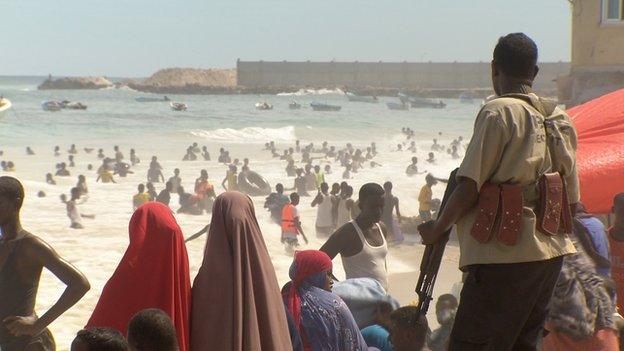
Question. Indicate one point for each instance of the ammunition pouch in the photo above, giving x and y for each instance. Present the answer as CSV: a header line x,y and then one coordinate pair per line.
x,y
500,206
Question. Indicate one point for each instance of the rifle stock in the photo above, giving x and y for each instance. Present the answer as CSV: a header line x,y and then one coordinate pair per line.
x,y
432,257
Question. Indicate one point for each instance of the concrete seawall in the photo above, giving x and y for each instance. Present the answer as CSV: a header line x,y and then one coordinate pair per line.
x,y
426,76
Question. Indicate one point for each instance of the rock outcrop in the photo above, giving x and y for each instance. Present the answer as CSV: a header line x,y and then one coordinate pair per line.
x,y
179,77
76,83
189,81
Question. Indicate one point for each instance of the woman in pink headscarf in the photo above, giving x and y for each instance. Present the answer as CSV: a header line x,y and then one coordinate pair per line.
x,y
322,319
236,300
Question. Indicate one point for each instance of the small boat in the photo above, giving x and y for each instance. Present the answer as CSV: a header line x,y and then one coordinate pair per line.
x,y
317,106
397,106
466,97
294,105
51,105
73,105
420,102
359,98
264,106
5,105
177,106
151,99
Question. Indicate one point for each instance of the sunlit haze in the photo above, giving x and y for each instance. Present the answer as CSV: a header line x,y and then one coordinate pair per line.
x,y
136,38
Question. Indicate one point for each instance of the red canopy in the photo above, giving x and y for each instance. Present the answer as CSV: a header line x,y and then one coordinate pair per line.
x,y
600,156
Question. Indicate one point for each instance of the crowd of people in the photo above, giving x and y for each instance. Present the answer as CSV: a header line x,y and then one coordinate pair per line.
x,y
540,272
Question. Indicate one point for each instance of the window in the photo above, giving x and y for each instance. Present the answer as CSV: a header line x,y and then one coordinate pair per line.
x,y
612,11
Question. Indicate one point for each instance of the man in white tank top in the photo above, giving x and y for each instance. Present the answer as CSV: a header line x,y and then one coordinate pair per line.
x,y
361,243
324,219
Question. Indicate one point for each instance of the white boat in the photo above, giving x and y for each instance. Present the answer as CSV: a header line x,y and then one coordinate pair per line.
x,y
264,106
51,105
178,106
5,105
360,98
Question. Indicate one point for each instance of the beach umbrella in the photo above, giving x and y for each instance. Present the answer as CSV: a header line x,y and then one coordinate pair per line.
x,y
600,155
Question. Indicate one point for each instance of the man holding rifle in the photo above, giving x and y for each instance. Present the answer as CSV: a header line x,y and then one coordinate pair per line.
x,y
511,204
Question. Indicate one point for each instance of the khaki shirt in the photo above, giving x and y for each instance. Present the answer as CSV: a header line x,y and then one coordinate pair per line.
x,y
509,145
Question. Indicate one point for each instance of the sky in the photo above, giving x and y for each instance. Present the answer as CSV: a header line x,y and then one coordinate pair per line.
x,y
135,38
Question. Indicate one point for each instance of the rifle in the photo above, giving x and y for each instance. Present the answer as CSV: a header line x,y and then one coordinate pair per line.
x,y
430,264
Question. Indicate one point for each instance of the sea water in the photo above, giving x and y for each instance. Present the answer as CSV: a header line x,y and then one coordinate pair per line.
x,y
114,118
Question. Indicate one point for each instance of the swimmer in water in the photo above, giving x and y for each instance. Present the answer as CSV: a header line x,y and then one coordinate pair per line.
x,y
231,178
347,172
454,152
122,169
29,151
175,181
74,215
70,158
134,159
190,155
57,151
49,179
431,158
118,155
412,147
72,149
62,170
100,154
412,169
327,169
205,153
82,186
300,184
374,164
195,148
154,173
151,191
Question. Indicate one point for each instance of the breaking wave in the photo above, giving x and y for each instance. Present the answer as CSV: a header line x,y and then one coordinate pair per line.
x,y
248,135
303,92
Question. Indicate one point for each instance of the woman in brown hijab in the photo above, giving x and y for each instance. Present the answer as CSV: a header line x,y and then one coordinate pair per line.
x,y
236,299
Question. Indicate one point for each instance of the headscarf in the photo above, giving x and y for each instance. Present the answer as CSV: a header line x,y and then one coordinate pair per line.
x,y
153,273
322,318
236,300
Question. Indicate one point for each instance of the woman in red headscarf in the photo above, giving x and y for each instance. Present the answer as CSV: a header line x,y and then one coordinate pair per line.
x,y
321,317
153,273
236,300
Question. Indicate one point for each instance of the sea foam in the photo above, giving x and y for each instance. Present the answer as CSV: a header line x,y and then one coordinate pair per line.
x,y
247,135
303,92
